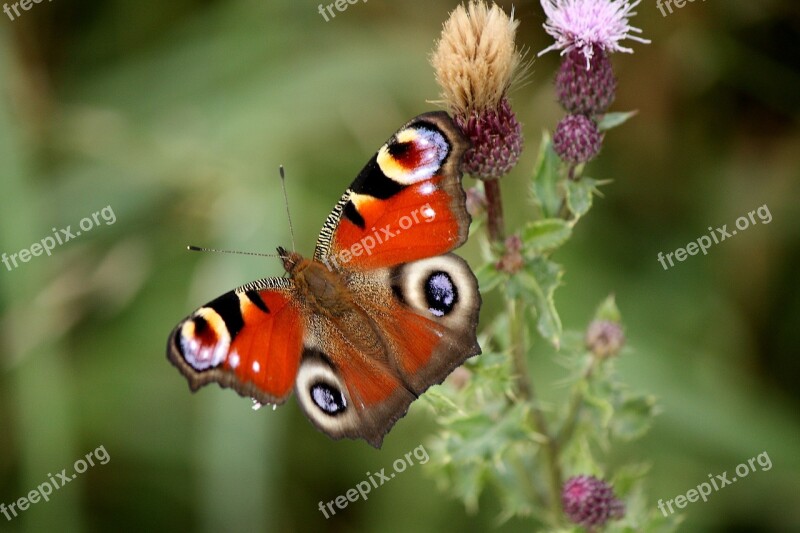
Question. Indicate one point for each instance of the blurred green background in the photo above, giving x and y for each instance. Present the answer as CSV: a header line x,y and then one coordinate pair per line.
x,y
178,114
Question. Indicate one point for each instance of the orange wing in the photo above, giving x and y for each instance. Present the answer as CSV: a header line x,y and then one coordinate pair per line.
x,y
249,339
414,324
406,204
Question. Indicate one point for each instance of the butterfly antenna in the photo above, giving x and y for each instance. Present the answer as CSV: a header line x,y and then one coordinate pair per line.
x,y
286,202
201,249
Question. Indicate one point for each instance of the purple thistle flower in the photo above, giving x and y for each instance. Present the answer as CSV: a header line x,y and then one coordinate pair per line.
x,y
590,502
582,24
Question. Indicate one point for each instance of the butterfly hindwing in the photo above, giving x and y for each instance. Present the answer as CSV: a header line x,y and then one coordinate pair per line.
x,y
427,312
346,394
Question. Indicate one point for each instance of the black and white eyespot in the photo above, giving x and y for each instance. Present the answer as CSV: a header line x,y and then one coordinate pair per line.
x,y
442,288
441,293
328,398
323,395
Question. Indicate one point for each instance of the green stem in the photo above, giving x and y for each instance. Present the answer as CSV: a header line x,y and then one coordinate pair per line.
x,y
576,403
526,390
563,211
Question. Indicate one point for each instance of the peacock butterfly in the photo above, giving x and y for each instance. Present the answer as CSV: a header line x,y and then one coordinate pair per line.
x,y
379,314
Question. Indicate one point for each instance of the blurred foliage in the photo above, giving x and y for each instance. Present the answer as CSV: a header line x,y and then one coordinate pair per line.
x,y
178,116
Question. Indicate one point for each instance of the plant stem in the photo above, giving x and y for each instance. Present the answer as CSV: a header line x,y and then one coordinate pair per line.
x,y
563,211
494,210
527,392
575,403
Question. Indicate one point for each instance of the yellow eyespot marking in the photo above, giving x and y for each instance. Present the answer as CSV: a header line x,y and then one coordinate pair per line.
x,y
407,135
390,166
361,200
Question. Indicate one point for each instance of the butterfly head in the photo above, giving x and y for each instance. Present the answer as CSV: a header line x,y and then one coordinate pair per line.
x,y
292,261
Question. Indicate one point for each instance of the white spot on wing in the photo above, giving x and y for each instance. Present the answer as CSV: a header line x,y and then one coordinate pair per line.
x,y
233,360
256,367
427,188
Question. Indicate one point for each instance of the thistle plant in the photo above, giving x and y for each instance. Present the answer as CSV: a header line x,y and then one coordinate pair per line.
x,y
545,460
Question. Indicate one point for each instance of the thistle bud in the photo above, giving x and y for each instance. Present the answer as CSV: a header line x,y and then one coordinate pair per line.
x,y
577,139
496,138
590,502
604,338
512,259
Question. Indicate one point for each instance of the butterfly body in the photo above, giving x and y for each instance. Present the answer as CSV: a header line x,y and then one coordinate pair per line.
x,y
381,311
322,289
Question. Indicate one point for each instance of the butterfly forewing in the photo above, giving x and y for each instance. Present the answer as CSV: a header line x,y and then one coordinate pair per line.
x,y
249,339
406,204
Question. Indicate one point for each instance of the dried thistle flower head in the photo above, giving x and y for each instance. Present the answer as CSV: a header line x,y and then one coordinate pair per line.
x,y
476,61
476,58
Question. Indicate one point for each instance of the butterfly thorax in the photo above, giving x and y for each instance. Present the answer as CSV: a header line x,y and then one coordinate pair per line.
x,y
321,288
326,293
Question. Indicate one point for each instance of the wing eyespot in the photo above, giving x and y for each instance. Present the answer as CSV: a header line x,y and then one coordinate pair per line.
x,y
203,340
328,398
441,294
